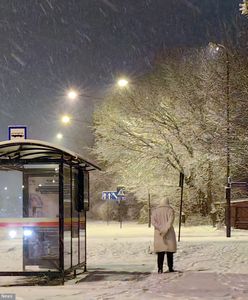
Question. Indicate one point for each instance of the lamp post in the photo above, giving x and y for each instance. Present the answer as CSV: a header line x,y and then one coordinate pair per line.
x,y
217,47
228,181
227,113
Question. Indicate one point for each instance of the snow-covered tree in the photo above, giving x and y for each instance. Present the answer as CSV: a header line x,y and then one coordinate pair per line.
x,y
173,120
244,7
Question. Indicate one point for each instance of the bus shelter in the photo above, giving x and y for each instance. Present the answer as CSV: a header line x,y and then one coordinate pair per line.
x,y
44,196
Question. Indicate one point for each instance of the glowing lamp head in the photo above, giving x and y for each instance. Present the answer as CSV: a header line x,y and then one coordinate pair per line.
x,y
72,94
65,119
59,136
122,82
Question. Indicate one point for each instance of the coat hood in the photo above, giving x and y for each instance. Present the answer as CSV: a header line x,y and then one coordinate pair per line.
x,y
164,202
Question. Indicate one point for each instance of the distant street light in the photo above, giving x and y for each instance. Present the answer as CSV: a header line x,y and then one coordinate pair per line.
x,y
75,93
65,119
122,82
59,136
70,120
72,94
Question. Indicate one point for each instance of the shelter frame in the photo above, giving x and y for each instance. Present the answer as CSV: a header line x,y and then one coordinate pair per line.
x,y
15,155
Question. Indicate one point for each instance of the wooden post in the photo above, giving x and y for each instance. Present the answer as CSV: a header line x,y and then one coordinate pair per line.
x,y
228,211
120,213
149,209
181,181
107,211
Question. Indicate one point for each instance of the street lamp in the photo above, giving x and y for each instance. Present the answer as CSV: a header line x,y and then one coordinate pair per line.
x,y
217,47
72,94
122,82
70,120
59,136
65,119
228,186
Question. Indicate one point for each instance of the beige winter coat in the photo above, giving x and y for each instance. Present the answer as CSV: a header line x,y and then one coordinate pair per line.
x,y
164,233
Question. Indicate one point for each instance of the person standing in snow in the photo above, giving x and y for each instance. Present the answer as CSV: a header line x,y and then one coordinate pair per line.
x,y
164,234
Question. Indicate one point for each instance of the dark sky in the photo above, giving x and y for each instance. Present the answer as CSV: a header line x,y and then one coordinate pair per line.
x,y
49,45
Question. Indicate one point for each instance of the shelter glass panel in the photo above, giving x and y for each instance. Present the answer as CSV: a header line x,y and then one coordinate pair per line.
x,y
86,190
75,219
29,218
82,233
41,212
11,219
67,218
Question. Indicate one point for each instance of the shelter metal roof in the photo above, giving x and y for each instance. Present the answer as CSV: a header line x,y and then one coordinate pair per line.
x,y
20,150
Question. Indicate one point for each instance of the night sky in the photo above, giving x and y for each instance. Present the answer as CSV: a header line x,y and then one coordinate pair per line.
x,y
48,46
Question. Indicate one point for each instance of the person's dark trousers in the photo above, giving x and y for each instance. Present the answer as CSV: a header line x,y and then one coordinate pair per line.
x,y
170,261
160,261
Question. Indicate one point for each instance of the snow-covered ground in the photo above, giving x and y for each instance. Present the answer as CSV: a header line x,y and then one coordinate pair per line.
x,y
120,266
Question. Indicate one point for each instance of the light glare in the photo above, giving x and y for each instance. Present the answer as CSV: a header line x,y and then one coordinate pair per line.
x,y
27,232
59,136
122,82
12,234
66,119
72,94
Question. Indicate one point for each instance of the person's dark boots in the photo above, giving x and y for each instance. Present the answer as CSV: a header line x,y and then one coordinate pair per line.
x,y
170,261
160,261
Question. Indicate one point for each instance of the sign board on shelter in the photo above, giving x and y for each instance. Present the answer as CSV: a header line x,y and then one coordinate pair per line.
x,y
17,132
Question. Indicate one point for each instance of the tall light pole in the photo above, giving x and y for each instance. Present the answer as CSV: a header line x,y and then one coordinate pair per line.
x,y
217,47
228,185
227,112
